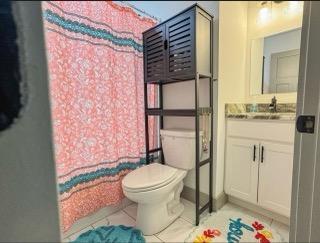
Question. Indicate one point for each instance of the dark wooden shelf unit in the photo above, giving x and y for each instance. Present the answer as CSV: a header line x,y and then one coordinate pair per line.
x,y
178,50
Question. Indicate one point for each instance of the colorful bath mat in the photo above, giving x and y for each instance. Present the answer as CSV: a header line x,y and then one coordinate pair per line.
x,y
113,233
231,226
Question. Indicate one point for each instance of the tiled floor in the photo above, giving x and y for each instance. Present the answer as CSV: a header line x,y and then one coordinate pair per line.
x,y
179,230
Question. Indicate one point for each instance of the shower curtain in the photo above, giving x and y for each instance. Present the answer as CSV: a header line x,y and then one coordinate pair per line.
x,y
95,64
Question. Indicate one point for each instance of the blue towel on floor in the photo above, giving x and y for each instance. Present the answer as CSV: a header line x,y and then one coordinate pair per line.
x,y
112,234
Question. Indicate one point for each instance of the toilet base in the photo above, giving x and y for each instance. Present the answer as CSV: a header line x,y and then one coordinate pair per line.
x,y
154,217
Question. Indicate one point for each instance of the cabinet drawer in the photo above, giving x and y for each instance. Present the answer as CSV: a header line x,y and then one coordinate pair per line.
x,y
281,131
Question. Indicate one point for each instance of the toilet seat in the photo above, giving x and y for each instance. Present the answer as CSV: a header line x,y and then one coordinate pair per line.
x,y
149,177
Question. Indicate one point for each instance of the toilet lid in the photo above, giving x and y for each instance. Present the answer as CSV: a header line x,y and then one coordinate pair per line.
x,y
149,176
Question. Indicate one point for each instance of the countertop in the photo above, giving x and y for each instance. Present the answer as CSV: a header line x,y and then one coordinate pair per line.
x,y
242,111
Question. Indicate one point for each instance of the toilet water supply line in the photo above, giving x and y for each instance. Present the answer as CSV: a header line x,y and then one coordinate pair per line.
x,y
206,138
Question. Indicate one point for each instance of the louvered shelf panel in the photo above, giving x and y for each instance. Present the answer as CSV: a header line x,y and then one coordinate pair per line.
x,y
154,54
180,35
176,49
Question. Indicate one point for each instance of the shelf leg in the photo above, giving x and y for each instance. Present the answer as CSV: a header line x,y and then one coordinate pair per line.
x,y
211,148
146,122
161,120
197,131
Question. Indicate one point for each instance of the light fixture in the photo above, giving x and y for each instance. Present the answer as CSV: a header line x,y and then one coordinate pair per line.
x,y
294,7
264,12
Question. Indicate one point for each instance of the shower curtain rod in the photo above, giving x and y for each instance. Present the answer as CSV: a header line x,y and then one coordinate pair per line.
x,y
141,11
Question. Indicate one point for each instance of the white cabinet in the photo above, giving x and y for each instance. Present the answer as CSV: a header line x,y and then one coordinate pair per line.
x,y
259,161
241,168
275,176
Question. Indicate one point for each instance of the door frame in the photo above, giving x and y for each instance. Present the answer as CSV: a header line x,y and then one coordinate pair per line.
x,y
305,202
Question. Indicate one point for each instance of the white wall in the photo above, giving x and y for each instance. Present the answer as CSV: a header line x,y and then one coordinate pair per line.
x,y
167,9
181,95
232,63
28,204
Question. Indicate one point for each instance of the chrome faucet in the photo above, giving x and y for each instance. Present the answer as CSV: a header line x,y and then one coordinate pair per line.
x,y
273,105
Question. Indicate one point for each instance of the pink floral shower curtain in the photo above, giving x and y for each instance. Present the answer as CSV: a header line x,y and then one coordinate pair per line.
x,y
96,83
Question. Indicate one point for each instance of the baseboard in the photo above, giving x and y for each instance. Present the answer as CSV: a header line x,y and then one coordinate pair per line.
x,y
190,194
217,203
92,218
220,201
258,209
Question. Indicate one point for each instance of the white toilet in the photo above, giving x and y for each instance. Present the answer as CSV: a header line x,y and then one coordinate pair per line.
x,y
157,187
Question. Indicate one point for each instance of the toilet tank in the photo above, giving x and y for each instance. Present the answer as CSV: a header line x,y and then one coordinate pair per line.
x,y
178,147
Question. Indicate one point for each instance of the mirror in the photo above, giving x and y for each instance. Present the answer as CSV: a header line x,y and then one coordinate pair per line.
x,y
274,64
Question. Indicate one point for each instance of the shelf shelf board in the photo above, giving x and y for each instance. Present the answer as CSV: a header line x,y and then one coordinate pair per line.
x,y
177,112
155,150
180,79
204,208
207,161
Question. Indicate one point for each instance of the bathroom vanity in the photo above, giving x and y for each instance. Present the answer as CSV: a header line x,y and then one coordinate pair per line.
x,y
259,159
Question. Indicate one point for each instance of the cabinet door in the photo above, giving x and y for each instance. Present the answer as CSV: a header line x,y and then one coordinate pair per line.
x,y
242,169
181,45
275,176
154,54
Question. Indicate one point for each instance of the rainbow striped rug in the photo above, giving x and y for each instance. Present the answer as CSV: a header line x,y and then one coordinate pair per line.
x,y
231,226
